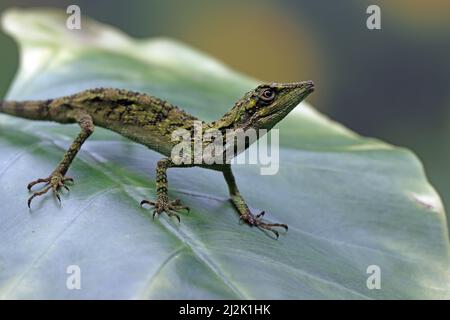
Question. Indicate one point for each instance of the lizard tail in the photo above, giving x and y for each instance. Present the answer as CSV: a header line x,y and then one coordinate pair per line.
x,y
35,110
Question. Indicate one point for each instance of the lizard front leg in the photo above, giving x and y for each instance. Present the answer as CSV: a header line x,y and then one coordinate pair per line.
x,y
57,178
163,203
245,214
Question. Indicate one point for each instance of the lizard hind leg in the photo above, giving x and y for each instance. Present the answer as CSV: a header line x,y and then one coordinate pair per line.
x,y
57,178
163,203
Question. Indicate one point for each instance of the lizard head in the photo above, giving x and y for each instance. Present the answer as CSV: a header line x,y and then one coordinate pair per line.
x,y
268,104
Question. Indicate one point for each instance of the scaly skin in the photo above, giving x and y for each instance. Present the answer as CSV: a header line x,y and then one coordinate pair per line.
x,y
150,121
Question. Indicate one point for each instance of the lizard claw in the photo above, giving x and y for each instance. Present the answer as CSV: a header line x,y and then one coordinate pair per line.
x,y
55,182
256,221
169,207
261,214
147,202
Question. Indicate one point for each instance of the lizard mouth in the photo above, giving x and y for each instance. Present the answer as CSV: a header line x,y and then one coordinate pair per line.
x,y
272,113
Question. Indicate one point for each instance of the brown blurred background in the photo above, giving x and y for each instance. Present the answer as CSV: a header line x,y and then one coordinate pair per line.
x,y
391,83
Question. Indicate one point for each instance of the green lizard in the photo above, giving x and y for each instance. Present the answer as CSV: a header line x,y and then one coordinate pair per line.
x,y
150,121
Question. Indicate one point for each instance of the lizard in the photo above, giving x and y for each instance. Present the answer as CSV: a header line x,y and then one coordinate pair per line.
x,y
149,121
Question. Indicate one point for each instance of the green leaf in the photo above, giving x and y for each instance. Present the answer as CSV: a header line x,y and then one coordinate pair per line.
x,y
350,202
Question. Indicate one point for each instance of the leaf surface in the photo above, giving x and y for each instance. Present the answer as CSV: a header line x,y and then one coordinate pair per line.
x,y
350,202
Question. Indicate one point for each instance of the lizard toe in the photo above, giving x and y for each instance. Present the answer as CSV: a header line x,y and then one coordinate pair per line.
x,y
55,182
169,207
256,221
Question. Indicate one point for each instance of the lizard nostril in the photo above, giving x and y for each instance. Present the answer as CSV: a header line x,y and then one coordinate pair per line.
x,y
309,85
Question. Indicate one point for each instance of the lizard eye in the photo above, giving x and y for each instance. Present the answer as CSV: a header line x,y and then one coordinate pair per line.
x,y
268,95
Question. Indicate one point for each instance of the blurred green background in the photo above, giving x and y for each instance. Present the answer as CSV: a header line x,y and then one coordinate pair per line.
x,y
392,84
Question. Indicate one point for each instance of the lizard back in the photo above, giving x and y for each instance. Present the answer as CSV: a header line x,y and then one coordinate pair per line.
x,y
142,118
